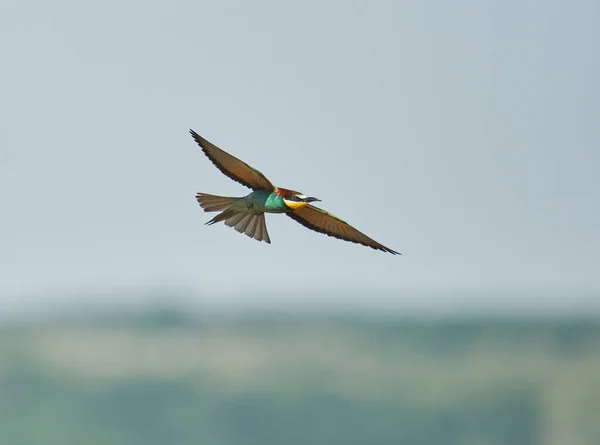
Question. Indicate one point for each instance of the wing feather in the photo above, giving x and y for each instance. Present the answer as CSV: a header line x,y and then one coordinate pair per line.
x,y
232,167
251,229
321,221
262,227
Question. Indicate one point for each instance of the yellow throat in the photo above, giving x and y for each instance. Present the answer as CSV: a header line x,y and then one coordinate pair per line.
x,y
295,204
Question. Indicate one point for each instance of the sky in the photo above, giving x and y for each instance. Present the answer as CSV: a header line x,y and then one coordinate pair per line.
x,y
462,134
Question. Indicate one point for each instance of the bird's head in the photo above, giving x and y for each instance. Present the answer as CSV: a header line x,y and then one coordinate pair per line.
x,y
295,200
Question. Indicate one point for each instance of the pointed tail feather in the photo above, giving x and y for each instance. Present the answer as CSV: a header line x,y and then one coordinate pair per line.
x,y
251,224
236,216
261,233
223,216
213,203
256,228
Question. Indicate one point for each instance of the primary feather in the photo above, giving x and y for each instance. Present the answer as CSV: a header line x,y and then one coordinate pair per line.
x,y
233,167
321,221
247,214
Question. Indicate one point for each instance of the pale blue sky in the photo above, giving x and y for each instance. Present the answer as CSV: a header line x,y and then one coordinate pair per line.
x,y
463,134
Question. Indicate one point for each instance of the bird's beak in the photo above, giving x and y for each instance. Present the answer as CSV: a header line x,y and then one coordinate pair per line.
x,y
311,199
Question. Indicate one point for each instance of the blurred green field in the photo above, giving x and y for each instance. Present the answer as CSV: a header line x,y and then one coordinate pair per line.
x,y
164,378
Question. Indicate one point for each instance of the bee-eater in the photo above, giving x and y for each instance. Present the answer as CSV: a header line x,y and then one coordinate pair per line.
x,y
247,214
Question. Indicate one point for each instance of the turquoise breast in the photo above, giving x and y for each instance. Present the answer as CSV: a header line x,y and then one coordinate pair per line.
x,y
275,204
269,202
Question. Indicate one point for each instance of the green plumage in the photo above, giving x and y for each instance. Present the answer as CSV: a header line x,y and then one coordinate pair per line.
x,y
247,214
264,201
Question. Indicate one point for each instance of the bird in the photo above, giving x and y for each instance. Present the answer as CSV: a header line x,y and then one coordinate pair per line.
x,y
247,213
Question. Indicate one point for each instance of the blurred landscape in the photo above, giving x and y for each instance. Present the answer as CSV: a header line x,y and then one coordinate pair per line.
x,y
165,375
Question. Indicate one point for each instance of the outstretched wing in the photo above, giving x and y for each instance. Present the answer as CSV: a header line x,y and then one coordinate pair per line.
x,y
232,167
324,222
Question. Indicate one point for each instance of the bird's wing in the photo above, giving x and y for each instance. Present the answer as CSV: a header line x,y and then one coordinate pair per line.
x,y
323,222
232,167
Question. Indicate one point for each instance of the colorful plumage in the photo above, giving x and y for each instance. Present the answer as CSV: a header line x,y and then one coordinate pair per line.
x,y
247,214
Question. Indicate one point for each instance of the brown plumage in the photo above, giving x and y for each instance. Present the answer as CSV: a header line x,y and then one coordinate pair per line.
x,y
214,203
321,221
246,214
251,224
285,193
232,167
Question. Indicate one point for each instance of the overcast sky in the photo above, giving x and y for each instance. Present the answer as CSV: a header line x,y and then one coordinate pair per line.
x,y
463,134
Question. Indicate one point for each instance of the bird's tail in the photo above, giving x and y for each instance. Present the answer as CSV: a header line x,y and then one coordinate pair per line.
x,y
251,224
238,217
213,203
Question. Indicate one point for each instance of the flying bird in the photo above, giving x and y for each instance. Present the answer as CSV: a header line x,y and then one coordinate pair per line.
x,y
247,214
